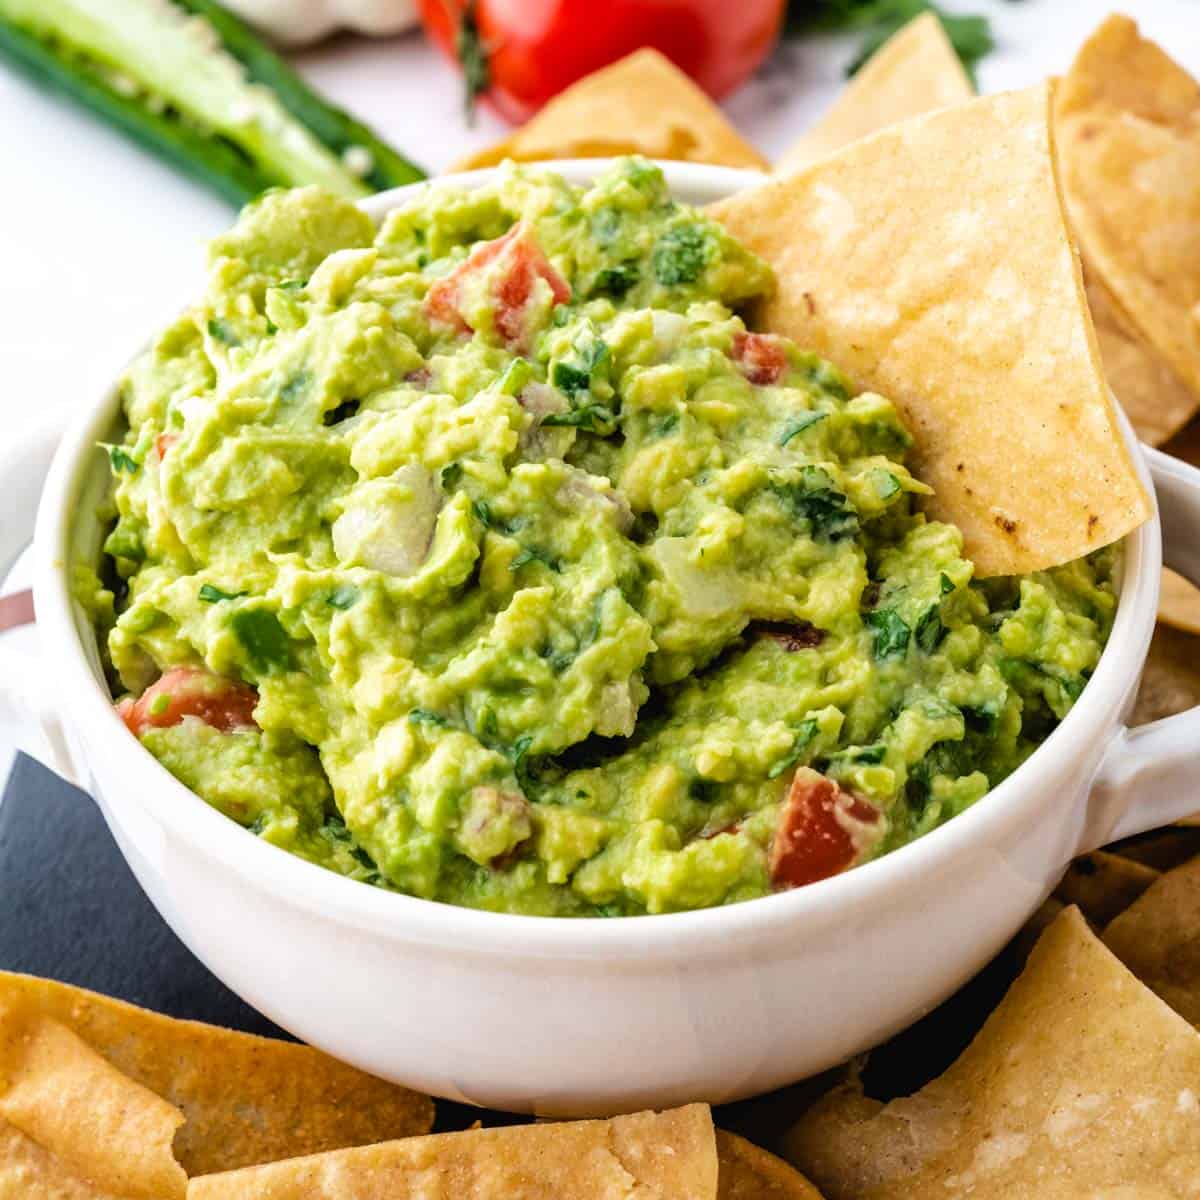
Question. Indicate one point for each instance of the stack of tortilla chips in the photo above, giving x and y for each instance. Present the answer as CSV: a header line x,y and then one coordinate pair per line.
x,y
100,1100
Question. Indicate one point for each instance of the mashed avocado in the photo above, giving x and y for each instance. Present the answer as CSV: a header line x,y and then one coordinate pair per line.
x,y
486,556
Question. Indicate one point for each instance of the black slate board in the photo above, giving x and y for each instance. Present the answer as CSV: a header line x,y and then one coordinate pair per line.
x,y
73,911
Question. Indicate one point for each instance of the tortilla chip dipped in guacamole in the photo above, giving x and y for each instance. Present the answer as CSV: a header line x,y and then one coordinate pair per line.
x,y
641,104
1081,1083
648,1156
489,557
932,261
1127,118
915,71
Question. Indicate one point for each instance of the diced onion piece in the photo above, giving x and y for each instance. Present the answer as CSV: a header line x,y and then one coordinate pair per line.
x,y
703,591
389,523
669,328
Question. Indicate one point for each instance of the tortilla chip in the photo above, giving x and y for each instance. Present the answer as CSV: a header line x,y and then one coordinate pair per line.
x,y
1171,679
99,1126
1155,399
1179,603
245,1099
29,1171
1128,124
748,1172
1158,939
643,104
932,263
1103,885
1081,1084
647,1156
915,71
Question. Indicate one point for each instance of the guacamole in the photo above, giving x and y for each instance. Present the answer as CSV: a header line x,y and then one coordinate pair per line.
x,y
486,556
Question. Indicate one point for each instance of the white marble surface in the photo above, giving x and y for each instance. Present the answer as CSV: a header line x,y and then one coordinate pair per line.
x,y
99,242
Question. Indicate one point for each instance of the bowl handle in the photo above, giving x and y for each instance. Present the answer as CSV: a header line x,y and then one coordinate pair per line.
x,y
24,698
1151,775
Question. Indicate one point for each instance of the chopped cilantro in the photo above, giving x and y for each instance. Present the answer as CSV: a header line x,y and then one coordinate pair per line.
x,y
864,754
487,724
814,499
121,460
528,554
451,474
946,584
664,425
222,331
615,281
596,418
262,637
519,755
891,633
424,716
799,425
930,631
806,731
213,595
342,597
570,379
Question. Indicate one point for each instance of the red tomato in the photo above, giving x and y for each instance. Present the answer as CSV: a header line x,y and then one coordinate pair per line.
x,y
182,692
520,264
520,53
761,357
822,831
164,442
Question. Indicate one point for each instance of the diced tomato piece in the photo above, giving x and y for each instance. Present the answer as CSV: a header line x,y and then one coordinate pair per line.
x,y
225,704
822,831
164,442
520,263
761,357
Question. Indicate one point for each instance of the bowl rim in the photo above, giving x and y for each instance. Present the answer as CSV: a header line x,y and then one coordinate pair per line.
x,y
86,705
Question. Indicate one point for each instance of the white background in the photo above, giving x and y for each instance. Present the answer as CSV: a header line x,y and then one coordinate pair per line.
x,y
99,242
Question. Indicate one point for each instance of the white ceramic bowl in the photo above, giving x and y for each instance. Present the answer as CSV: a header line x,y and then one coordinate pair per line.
x,y
583,1017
